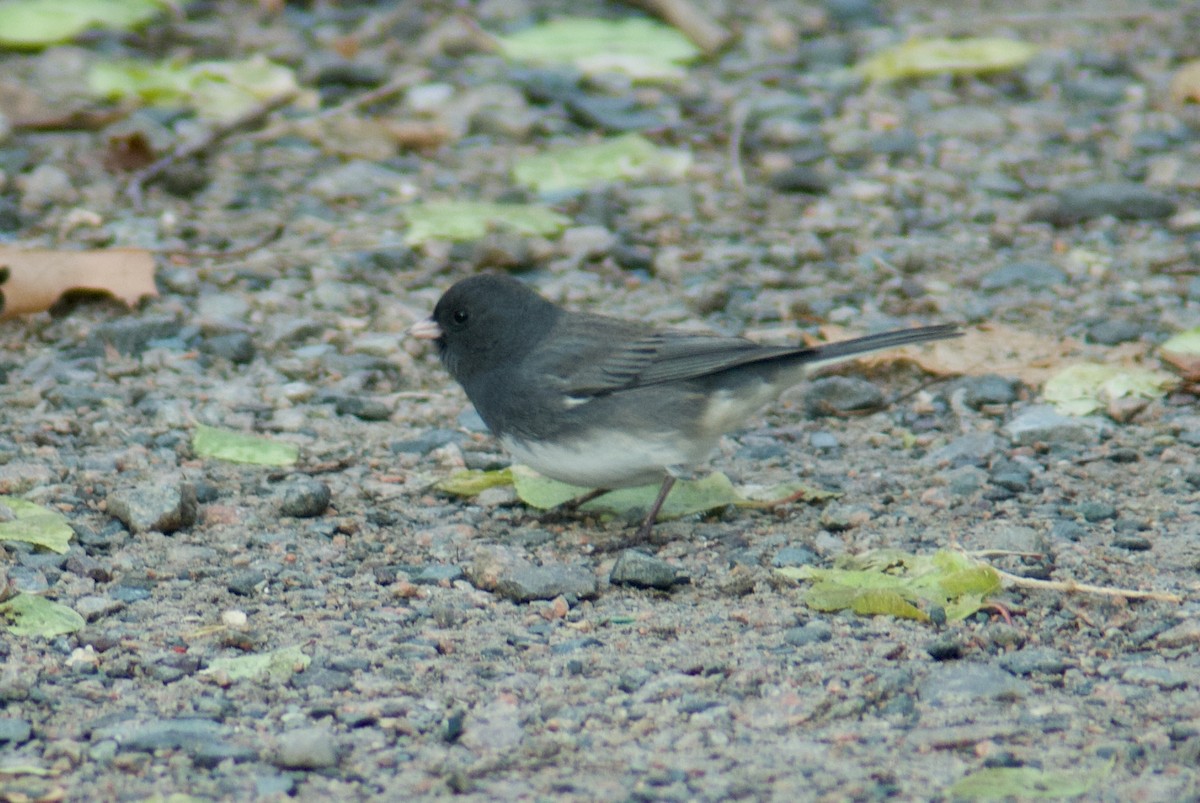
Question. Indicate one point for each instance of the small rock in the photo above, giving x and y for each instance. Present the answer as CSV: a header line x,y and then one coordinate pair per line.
x,y
835,395
1035,660
1111,333
1184,634
246,583
14,730
1122,200
1096,511
529,583
93,606
946,648
988,389
313,748
237,347
640,570
794,556
799,178
1041,423
1160,677
972,449
1034,275
304,497
838,517
363,409
162,508
1133,542
813,632
45,185
132,336
954,684
438,573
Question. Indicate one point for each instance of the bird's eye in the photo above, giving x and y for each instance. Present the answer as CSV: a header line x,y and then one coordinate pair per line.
x,y
460,316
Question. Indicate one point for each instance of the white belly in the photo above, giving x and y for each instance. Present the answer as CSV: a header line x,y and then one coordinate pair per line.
x,y
617,460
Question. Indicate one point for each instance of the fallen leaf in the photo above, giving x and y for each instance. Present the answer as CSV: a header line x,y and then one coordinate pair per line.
x,y
641,48
32,280
1185,84
278,665
238,447
35,525
924,57
1084,388
579,167
1182,351
33,24
471,220
1007,783
30,615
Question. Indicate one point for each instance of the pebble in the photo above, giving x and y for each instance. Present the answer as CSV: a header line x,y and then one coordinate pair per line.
x,y
945,648
304,497
363,409
163,508
833,395
640,570
799,178
951,685
1112,332
1157,676
314,748
45,185
1041,423
1034,275
794,556
972,449
813,632
132,336
1132,542
1122,200
528,583
437,574
988,389
246,583
1035,660
1184,634
14,730
237,347
93,606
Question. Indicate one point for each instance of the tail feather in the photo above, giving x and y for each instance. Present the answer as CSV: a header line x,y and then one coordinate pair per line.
x,y
845,349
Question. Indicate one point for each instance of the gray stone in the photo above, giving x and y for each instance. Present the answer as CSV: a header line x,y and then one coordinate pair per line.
x,y
1122,200
529,582
1023,274
313,748
1041,423
164,508
640,570
14,730
834,395
962,682
304,497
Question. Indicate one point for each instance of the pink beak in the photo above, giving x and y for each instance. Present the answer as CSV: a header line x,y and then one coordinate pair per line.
x,y
425,330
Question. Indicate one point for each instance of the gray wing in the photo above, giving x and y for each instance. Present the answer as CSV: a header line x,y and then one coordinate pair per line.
x,y
606,355
610,356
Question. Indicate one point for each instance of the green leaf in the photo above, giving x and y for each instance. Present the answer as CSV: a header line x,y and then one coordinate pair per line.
x,y
30,615
923,57
237,447
686,498
470,220
215,90
35,524
1085,388
892,582
1186,342
641,48
470,483
278,665
994,783
37,23
618,159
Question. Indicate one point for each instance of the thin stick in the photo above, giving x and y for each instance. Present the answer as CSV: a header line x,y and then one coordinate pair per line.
x,y
702,29
1072,587
196,147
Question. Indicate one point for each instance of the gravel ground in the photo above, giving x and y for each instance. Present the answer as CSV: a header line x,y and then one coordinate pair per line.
x,y
436,646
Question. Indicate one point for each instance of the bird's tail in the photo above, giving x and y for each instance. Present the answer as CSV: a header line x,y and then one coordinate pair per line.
x,y
845,349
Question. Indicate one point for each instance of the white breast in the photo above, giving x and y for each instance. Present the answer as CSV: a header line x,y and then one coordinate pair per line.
x,y
614,460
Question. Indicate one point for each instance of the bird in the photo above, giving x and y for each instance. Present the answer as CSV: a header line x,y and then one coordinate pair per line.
x,y
605,403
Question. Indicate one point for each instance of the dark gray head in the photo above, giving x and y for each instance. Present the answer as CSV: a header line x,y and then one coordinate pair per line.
x,y
485,320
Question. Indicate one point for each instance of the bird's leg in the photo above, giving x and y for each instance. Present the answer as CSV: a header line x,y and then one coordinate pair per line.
x,y
643,533
579,501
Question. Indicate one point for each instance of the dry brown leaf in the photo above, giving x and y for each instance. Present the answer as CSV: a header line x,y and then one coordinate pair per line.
x,y
32,280
987,349
1185,84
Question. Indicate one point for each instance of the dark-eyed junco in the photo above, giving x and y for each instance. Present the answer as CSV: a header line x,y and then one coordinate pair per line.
x,y
607,403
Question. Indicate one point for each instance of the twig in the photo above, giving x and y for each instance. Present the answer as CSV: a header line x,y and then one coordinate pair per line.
x,y
196,147
740,113
1072,587
271,236
703,30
